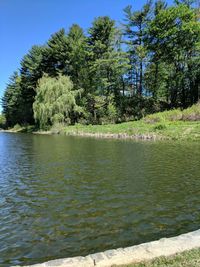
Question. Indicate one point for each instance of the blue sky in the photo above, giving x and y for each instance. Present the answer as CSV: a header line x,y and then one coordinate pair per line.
x,y
24,23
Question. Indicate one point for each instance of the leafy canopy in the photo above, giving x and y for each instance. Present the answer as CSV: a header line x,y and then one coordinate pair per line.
x,y
55,100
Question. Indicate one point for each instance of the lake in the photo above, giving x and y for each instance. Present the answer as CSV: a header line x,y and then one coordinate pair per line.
x,y
69,196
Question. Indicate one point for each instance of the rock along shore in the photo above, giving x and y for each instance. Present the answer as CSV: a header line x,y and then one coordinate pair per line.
x,y
150,137
134,254
119,136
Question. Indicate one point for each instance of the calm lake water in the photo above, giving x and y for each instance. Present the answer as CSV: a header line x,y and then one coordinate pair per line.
x,y
69,196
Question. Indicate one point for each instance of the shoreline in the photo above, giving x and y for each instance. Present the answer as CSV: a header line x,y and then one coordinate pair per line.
x,y
106,135
123,136
146,137
98,135
130,255
135,130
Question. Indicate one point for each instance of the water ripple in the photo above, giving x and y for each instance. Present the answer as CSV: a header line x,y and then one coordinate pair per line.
x,y
65,196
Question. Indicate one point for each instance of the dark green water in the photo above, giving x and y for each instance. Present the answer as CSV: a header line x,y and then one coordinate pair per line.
x,y
68,196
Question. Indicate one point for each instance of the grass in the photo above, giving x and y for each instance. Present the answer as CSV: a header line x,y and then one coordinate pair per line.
x,y
186,259
169,125
189,114
173,125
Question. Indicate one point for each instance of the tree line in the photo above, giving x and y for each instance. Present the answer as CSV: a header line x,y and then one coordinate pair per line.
x,y
150,62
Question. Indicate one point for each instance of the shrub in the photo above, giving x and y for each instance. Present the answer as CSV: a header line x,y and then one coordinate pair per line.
x,y
2,121
17,127
138,107
189,114
160,127
111,113
192,113
57,128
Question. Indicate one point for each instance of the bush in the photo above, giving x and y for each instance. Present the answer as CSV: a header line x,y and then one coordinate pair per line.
x,y
189,114
2,121
57,128
160,127
192,113
138,107
17,128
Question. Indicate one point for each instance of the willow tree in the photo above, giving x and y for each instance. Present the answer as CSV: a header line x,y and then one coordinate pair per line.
x,y
55,101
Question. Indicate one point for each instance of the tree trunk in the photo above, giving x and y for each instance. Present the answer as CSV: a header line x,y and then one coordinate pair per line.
x,y
140,79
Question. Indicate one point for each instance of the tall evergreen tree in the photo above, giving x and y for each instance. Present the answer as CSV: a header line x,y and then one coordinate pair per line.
x,y
31,71
175,33
156,72
189,3
160,58
13,102
107,62
135,26
77,56
55,57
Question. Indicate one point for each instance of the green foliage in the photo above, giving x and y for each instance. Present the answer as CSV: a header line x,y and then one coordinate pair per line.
x,y
17,128
55,58
189,114
136,107
108,63
57,128
135,33
144,128
151,64
112,112
2,121
160,127
31,71
13,102
77,57
174,36
55,101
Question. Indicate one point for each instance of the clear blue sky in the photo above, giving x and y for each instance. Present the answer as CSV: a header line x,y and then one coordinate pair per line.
x,y
24,23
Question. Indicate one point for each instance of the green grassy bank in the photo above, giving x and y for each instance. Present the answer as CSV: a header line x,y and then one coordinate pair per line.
x,y
186,259
140,130
168,125
173,125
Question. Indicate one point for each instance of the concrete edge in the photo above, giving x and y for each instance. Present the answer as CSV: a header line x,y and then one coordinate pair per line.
x,y
133,254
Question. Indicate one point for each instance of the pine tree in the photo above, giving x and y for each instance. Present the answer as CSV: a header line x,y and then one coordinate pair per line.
x,y
134,31
31,71
175,35
55,58
77,56
156,72
13,102
108,63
